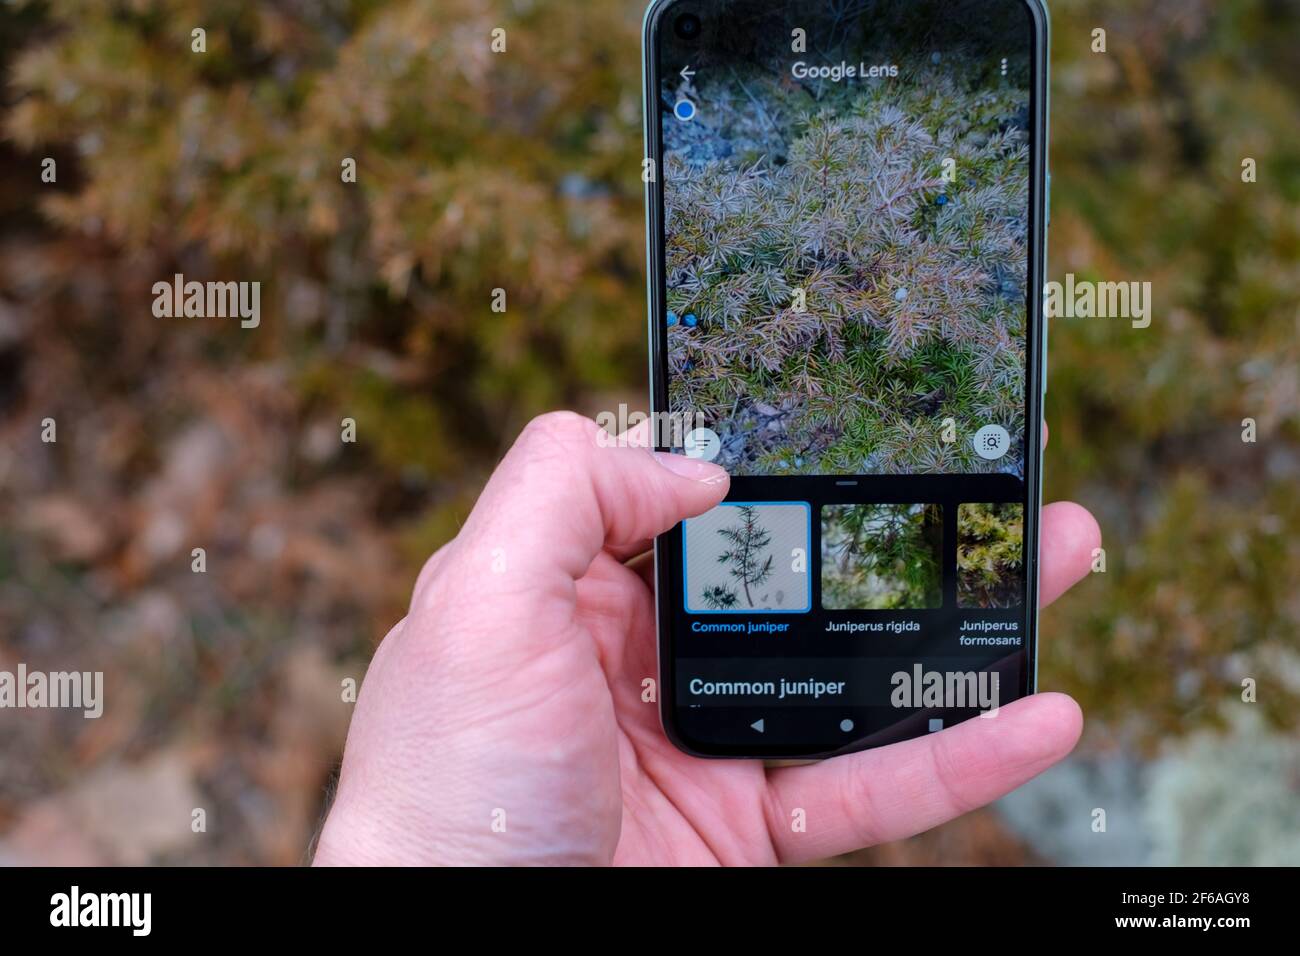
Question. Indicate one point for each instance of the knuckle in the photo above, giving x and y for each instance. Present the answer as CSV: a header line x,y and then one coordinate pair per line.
x,y
557,435
560,428
429,572
856,797
947,778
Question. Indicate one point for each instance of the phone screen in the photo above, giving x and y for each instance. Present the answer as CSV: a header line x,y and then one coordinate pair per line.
x,y
845,212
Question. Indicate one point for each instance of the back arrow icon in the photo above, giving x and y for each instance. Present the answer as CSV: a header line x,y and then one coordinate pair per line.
x,y
757,725
687,73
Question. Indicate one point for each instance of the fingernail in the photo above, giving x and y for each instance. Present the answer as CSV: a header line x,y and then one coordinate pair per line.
x,y
696,469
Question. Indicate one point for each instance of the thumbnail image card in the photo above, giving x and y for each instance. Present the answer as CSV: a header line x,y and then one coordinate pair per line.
x,y
748,556
882,556
990,555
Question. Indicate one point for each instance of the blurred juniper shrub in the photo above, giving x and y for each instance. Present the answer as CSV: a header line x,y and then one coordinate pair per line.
x,y
990,555
914,287
475,171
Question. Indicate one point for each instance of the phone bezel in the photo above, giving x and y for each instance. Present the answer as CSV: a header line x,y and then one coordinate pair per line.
x,y
1035,352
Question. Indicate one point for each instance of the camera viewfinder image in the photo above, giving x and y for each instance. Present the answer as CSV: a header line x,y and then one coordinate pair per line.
x,y
747,557
848,228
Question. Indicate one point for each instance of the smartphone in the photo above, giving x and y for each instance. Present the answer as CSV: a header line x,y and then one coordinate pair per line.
x,y
846,208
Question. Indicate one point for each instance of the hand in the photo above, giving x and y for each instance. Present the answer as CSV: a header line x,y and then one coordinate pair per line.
x,y
502,722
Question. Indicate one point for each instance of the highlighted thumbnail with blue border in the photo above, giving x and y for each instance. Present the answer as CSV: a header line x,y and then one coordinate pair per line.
x,y
749,557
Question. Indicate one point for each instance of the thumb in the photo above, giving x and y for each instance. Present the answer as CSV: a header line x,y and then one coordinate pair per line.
x,y
565,491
